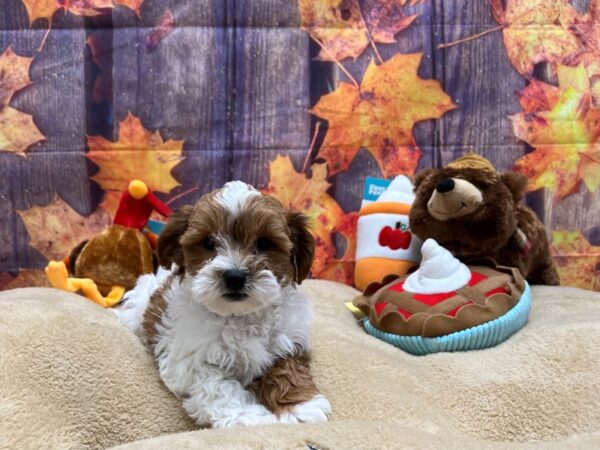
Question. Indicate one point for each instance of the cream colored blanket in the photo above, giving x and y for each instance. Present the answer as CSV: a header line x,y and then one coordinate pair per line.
x,y
71,377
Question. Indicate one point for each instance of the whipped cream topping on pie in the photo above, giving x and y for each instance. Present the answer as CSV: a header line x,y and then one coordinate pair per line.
x,y
439,271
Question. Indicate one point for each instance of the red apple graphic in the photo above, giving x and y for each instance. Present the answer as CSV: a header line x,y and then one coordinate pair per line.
x,y
395,238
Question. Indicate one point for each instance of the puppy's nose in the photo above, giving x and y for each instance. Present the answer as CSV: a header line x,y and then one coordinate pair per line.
x,y
445,185
235,279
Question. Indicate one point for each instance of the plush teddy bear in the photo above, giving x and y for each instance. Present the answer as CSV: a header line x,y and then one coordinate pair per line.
x,y
475,212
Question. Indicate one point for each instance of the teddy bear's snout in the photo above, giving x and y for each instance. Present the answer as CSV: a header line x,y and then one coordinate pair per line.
x,y
454,197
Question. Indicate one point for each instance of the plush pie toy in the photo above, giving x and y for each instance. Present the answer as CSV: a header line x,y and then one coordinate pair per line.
x,y
446,305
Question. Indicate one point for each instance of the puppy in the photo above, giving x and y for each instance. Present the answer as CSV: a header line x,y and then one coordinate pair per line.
x,y
224,318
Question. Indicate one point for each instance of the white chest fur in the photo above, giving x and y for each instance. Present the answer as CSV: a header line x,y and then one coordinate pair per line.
x,y
241,347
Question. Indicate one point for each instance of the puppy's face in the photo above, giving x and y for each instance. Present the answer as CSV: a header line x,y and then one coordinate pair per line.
x,y
237,249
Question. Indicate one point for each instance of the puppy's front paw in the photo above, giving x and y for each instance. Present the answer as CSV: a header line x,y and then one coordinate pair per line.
x,y
314,410
251,415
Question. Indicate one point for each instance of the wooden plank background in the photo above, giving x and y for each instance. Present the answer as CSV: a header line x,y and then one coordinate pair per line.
x,y
234,80
57,98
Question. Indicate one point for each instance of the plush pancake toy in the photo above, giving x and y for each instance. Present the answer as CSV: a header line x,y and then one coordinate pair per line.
x,y
446,305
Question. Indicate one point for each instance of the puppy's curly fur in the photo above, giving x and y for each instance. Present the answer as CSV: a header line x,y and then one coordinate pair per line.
x,y
214,338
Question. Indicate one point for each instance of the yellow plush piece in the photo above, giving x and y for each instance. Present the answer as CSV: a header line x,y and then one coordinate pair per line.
x,y
137,189
59,278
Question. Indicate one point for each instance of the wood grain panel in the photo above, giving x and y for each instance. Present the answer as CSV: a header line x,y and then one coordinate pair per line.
x,y
56,99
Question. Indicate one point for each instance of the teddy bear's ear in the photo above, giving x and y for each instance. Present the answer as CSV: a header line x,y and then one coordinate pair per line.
x,y
516,184
421,176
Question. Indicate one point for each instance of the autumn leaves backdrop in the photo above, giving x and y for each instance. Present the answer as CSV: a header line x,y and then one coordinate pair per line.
x,y
362,87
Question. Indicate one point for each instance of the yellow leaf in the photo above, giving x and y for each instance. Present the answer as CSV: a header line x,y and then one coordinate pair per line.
x,y
14,74
380,116
565,136
137,154
17,131
308,195
577,261
342,26
55,229
537,31
45,9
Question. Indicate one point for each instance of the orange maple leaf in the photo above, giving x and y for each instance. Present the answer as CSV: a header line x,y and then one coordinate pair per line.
x,y
342,269
577,261
308,195
564,128
343,27
24,278
137,153
101,50
134,5
585,27
536,31
380,116
17,130
45,9
55,229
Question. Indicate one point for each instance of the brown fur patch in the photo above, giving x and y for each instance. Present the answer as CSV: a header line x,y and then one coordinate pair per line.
x,y
154,312
287,383
117,256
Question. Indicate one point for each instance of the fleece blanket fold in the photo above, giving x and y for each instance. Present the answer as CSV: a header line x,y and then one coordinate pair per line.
x,y
72,377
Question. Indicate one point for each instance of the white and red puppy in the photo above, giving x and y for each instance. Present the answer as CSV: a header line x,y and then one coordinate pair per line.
x,y
224,318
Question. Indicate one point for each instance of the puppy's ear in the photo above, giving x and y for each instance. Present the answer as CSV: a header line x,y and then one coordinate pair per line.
x,y
516,184
169,247
304,245
420,177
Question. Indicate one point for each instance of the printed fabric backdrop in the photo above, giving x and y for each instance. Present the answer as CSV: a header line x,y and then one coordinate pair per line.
x,y
301,98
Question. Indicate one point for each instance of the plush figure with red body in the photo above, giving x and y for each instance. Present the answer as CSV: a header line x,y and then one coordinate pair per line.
x,y
136,206
110,263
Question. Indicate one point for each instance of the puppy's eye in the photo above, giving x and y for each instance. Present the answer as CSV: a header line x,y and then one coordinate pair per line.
x,y
208,243
263,244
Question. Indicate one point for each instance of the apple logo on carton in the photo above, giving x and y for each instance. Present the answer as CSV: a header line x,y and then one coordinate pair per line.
x,y
395,238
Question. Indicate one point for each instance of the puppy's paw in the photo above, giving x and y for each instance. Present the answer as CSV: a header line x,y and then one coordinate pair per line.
x,y
251,415
314,410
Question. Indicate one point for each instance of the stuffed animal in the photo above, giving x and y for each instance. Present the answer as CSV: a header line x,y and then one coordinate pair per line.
x,y
110,263
474,211
446,305
384,243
